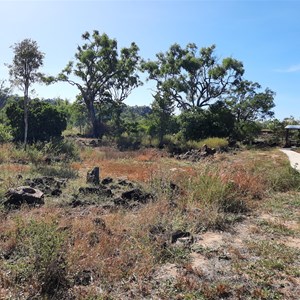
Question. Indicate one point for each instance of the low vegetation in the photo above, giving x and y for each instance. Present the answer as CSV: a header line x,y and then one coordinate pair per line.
x,y
226,227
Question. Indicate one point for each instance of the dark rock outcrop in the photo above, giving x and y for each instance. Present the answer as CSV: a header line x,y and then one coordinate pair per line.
x,y
15,198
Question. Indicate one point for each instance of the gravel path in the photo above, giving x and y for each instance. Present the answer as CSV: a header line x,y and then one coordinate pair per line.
x,y
294,158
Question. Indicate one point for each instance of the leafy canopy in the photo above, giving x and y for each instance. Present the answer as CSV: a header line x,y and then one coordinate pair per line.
x,y
193,80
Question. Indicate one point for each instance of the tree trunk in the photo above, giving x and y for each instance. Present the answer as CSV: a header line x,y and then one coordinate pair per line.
x,y
94,121
26,116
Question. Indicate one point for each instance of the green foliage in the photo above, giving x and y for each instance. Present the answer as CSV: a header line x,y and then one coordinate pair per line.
x,y
248,105
4,94
63,170
104,76
45,121
5,134
284,179
199,124
160,120
39,255
27,60
246,131
212,142
190,79
23,72
65,148
128,142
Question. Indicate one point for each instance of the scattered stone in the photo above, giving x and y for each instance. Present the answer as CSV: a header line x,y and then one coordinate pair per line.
x,y
124,182
93,176
120,201
23,195
106,192
83,278
106,180
93,143
56,192
196,155
76,203
136,195
48,185
179,234
113,193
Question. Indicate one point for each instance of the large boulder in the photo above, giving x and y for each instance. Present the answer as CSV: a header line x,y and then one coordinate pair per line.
x,y
23,195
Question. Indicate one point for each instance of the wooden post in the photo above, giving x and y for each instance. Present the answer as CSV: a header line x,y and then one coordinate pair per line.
x,y
287,144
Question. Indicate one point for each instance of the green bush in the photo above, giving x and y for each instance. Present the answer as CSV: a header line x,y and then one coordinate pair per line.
x,y
62,147
5,134
198,123
45,121
126,142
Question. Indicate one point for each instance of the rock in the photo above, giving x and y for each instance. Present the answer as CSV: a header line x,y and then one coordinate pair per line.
x,y
106,180
96,190
76,203
47,184
120,201
56,192
196,155
179,234
136,195
93,176
93,143
124,182
23,195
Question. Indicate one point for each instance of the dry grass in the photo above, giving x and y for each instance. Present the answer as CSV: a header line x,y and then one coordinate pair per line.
x,y
122,250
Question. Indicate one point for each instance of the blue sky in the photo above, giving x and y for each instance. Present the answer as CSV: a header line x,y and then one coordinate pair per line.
x,y
264,35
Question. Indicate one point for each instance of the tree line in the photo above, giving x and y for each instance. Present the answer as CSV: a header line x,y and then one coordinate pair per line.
x,y
196,95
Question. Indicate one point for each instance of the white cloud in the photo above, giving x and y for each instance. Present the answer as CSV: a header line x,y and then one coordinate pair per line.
x,y
291,69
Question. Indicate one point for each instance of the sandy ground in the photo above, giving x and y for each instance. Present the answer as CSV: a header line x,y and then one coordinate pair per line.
x,y
294,158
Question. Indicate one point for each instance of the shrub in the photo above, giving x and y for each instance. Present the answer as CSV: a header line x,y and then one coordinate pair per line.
x,y
65,147
5,134
198,123
126,142
44,121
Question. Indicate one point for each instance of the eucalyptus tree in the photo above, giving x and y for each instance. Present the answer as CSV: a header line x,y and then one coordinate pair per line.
x,y
24,72
248,103
193,79
125,81
98,69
